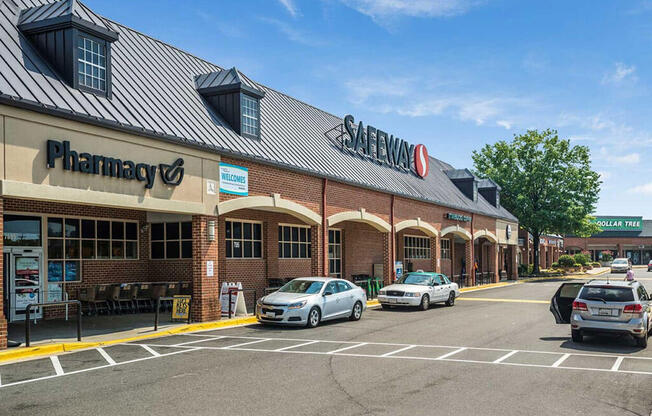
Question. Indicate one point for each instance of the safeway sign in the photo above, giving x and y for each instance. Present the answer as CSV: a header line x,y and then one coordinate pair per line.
x,y
384,148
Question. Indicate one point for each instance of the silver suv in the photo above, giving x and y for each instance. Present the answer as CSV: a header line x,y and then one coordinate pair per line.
x,y
603,306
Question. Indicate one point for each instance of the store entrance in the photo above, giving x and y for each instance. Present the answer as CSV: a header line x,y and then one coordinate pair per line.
x,y
23,274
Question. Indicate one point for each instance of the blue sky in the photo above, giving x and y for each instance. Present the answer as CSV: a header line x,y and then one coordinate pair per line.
x,y
451,74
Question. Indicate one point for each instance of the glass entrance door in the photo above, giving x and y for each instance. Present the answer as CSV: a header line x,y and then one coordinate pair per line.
x,y
25,282
335,253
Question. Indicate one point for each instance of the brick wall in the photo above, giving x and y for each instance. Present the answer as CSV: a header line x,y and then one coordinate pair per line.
x,y
3,319
362,246
205,288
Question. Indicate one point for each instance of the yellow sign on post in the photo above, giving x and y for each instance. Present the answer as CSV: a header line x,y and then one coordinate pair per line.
x,y
181,307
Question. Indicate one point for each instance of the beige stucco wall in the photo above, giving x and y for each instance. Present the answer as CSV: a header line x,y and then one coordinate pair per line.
x,y
25,173
501,232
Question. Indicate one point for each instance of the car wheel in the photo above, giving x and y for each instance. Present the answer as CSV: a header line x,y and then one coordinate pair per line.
x,y
425,303
356,313
576,335
451,299
642,342
314,316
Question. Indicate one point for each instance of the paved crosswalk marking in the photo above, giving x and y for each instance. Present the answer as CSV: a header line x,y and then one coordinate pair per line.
x,y
504,357
106,356
247,343
451,353
616,365
347,348
57,365
397,351
561,360
296,346
150,350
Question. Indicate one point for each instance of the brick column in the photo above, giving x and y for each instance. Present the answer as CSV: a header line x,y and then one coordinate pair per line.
x,y
205,289
316,261
513,261
435,253
3,320
388,270
468,248
495,261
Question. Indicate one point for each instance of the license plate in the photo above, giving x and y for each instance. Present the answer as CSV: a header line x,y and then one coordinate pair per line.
x,y
270,314
392,300
606,312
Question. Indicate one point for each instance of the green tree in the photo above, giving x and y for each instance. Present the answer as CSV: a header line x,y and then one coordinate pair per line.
x,y
547,183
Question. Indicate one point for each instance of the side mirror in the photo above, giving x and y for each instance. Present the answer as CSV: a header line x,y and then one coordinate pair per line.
x,y
328,293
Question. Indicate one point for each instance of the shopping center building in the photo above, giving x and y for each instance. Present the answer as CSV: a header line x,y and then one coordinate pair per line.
x,y
126,160
550,248
621,236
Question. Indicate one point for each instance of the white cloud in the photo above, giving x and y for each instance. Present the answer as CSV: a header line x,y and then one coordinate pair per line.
x,y
383,9
293,34
620,74
628,159
362,89
504,123
642,189
290,7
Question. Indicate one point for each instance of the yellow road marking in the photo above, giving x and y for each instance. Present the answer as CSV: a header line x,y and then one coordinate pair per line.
x,y
505,300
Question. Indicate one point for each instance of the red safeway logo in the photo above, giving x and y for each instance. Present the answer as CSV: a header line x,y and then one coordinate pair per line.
x,y
421,160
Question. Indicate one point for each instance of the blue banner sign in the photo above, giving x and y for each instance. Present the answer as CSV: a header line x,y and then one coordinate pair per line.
x,y
234,179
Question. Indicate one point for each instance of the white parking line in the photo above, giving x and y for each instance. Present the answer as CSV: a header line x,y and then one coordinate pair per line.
x,y
150,350
246,343
450,353
347,348
106,356
57,365
397,351
616,365
296,346
504,357
560,360
198,340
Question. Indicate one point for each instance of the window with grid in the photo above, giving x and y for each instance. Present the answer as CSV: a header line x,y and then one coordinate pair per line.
x,y
70,240
250,113
445,248
293,242
91,63
416,247
243,239
171,240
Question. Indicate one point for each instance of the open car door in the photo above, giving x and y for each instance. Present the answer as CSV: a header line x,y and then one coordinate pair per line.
x,y
561,305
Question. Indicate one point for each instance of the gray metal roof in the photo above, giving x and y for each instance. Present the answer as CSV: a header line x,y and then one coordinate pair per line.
x,y
154,94
49,11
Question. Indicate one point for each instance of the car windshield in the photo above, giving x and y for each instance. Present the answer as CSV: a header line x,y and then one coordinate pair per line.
x,y
620,262
415,279
607,294
302,286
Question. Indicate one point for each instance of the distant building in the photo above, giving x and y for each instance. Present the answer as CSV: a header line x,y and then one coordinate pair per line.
x,y
550,248
622,236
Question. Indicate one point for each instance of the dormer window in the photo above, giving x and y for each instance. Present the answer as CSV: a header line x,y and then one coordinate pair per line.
x,y
91,63
250,115
75,41
228,91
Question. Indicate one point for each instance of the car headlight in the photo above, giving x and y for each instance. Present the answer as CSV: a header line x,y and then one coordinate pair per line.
x,y
412,294
297,305
382,292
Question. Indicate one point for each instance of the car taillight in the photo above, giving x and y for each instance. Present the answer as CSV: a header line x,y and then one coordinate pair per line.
x,y
633,308
579,306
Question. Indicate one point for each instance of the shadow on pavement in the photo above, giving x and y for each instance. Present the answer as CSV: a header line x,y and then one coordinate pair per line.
x,y
610,344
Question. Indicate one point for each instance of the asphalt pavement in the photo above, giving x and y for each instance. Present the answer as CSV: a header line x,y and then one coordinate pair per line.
x,y
496,352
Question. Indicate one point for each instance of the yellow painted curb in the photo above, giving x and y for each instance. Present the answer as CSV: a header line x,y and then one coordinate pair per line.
x,y
49,349
373,302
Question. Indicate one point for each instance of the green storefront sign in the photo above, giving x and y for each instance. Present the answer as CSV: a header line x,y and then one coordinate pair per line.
x,y
620,223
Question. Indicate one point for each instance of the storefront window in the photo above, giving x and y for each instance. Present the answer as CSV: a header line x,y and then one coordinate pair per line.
x,y
445,248
416,247
243,239
294,242
69,240
171,240
22,231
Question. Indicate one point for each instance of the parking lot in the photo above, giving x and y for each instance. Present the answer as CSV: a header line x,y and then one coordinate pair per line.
x,y
498,351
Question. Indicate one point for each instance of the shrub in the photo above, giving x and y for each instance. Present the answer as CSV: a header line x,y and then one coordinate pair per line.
x,y
577,266
582,259
555,265
596,264
606,256
566,260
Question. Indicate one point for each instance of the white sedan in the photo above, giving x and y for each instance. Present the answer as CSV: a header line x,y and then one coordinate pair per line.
x,y
419,289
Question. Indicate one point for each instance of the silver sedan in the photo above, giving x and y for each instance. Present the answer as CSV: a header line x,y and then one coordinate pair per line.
x,y
310,300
